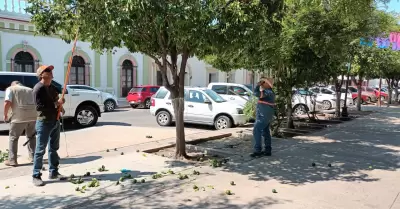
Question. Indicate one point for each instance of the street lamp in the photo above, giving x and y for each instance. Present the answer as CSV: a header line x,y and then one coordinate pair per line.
x,y
345,114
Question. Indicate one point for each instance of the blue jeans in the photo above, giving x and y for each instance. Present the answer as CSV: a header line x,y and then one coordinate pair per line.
x,y
48,132
264,116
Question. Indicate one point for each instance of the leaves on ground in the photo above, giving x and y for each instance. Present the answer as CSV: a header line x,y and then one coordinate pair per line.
x,y
157,176
3,156
182,176
196,172
102,169
76,181
228,192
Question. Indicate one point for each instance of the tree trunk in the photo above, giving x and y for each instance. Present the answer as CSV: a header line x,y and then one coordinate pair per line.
x,y
390,89
338,88
337,108
359,99
179,107
289,115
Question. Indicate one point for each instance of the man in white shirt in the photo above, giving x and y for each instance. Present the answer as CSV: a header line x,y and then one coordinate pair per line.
x,y
19,102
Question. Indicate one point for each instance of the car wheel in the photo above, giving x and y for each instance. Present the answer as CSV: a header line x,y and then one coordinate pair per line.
x,y
109,105
134,106
300,109
164,118
326,105
86,116
369,100
222,122
147,103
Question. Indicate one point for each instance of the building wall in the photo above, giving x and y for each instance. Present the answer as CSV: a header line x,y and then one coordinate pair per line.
x,y
17,34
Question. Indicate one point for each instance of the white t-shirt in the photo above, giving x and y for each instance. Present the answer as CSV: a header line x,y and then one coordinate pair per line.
x,y
8,95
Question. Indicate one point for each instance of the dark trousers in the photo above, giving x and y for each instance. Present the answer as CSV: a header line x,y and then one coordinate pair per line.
x,y
264,116
48,133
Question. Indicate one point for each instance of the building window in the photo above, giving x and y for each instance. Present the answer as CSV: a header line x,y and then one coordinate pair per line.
x,y
78,74
24,62
128,77
212,77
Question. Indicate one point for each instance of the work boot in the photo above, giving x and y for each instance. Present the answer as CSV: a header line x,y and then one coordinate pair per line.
x,y
267,153
57,175
11,163
256,154
37,181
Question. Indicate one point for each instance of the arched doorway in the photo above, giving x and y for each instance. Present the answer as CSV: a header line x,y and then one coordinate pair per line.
x,y
24,62
128,77
78,74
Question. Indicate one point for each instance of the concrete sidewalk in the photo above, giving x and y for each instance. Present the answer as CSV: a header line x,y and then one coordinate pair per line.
x,y
90,144
365,173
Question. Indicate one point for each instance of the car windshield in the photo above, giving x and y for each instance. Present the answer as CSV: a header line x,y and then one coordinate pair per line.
x,y
369,89
214,96
353,89
136,89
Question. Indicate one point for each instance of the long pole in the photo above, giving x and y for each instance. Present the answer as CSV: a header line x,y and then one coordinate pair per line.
x,y
380,86
344,109
67,75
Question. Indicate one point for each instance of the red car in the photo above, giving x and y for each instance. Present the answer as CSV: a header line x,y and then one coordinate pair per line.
x,y
141,95
354,94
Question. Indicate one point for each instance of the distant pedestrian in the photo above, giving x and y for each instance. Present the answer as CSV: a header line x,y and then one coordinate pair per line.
x,y
264,116
19,102
47,126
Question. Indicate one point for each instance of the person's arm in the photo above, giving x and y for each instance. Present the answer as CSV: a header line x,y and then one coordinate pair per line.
x,y
257,91
7,103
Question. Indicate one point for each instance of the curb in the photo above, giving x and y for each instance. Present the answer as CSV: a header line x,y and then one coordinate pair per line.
x,y
190,141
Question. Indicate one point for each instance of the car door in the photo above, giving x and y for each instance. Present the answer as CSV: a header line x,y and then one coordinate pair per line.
x,y
196,110
237,95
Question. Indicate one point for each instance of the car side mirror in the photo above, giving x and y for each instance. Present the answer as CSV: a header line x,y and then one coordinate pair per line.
x,y
207,101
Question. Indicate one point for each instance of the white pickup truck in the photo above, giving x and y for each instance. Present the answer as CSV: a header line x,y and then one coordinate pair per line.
x,y
84,107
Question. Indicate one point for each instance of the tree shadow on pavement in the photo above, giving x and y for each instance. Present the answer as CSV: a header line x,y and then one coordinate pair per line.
x,y
351,149
79,160
153,194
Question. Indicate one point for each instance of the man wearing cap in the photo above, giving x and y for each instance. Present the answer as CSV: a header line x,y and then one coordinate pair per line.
x,y
264,115
19,102
47,125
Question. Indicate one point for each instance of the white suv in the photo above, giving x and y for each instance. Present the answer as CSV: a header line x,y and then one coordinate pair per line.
x,y
232,92
110,101
84,107
202,106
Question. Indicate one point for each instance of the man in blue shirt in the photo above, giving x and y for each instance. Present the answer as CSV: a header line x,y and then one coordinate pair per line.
x,y
264,116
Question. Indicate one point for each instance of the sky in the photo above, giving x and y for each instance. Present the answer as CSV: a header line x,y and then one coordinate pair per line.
x,y
394,5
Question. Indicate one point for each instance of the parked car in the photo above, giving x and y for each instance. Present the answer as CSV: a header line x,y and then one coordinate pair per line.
x,y
110,101
303,102
141,95
370,92
365,97
327,96
84,107
202,106
232,92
